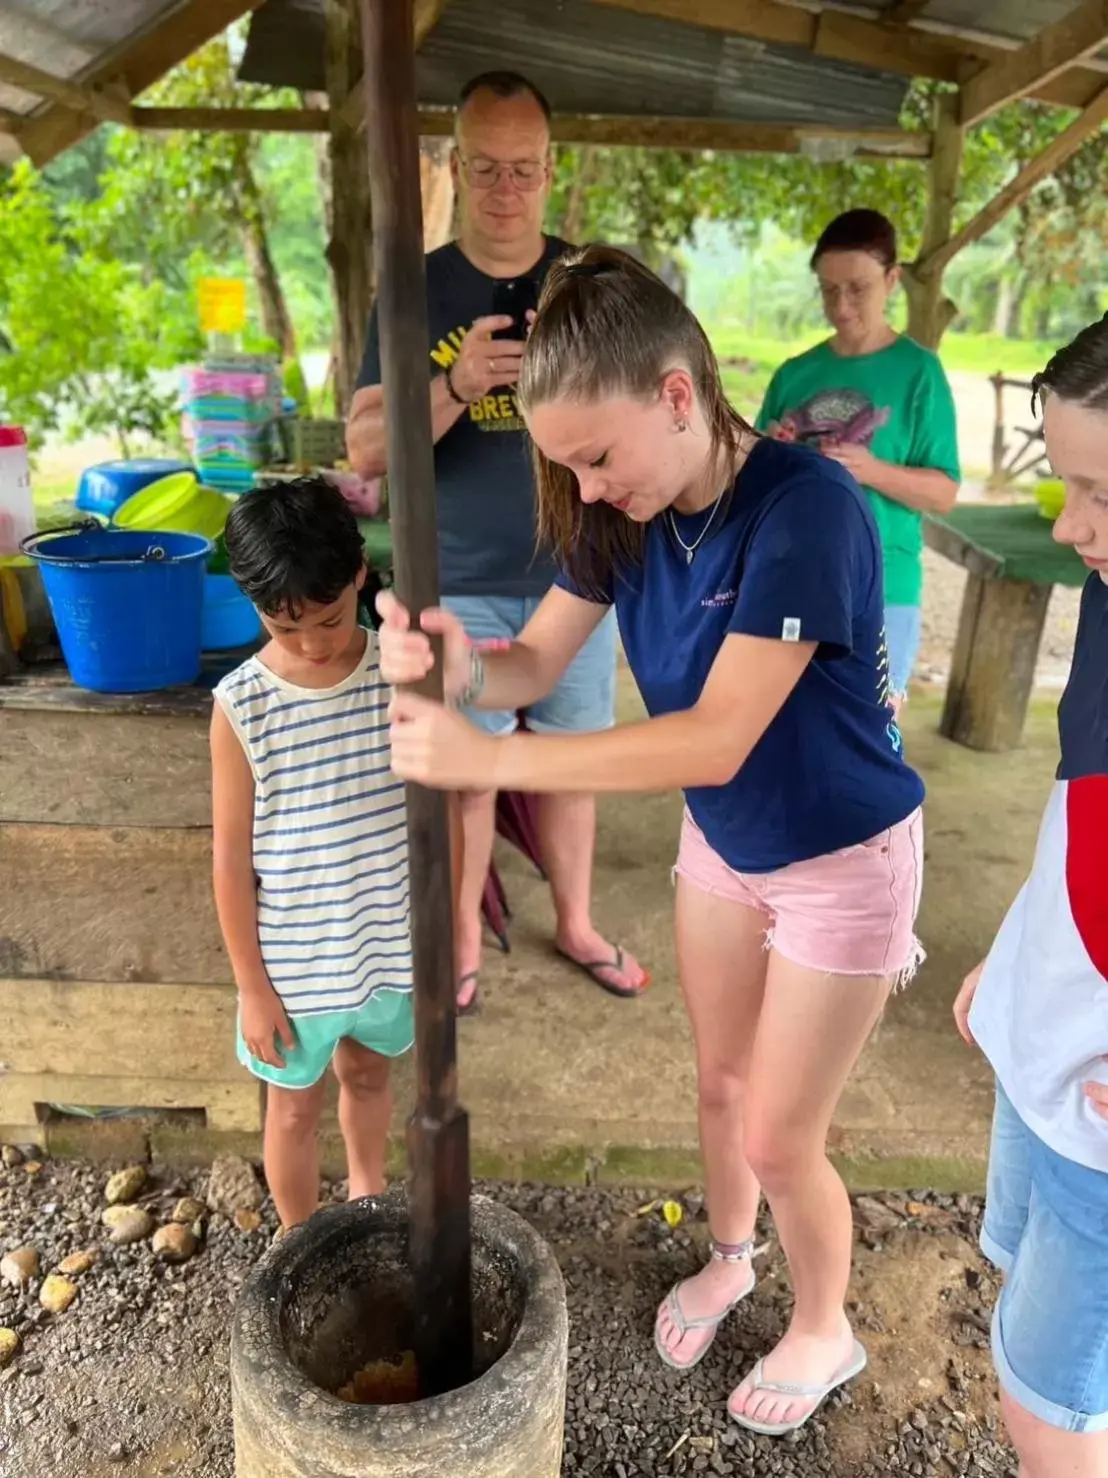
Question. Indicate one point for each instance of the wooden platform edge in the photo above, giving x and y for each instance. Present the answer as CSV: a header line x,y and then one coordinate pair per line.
x,y
947,541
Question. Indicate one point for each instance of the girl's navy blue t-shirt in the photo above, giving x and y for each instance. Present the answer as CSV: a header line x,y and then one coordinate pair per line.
x,y
794,557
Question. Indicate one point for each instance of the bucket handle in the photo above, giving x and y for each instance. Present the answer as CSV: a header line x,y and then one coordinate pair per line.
x,y
28,545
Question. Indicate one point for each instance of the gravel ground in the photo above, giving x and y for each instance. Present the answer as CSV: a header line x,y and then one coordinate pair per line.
x,y
133,1376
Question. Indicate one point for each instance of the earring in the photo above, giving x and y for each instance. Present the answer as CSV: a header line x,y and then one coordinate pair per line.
x,y
680,426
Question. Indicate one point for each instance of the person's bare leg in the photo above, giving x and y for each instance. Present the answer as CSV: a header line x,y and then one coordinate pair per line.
x,y
812,1027
567,835
477,810
291,1150
365,1108
722,960
1049,1452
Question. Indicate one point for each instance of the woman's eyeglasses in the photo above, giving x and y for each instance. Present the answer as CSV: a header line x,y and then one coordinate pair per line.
x,y
850,292
482,174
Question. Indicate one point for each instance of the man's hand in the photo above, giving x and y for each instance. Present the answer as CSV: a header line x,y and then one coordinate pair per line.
x,y
964,1000
263,1020
437,747
406,655
484,363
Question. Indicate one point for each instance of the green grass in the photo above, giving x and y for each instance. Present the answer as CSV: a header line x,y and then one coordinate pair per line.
x,y
48,488
978,354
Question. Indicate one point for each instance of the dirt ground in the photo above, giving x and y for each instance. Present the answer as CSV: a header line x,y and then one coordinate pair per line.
x,y
133,1377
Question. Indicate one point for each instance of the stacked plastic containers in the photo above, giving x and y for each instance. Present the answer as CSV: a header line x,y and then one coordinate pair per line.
x,y
230,409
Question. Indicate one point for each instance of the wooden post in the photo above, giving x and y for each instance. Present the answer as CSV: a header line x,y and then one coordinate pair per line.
x,y
349,218
997,381
438,1133
992,671
929,310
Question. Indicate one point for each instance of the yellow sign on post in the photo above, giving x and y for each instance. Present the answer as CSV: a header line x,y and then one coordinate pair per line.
x,y
222,304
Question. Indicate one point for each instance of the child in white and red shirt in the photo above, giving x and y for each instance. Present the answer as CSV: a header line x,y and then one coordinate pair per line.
x,y
1038,1009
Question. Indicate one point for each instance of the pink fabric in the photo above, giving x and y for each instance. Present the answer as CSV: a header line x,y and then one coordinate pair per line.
x,y
849,913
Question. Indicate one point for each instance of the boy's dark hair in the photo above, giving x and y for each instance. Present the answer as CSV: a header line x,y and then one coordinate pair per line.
x,y
859,230
289,543
503,85
1079,372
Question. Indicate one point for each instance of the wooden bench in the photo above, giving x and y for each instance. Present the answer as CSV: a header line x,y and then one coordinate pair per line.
x,y
1012,564
1027,452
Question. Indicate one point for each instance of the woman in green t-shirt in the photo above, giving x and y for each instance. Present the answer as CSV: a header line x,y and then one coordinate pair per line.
x,y
879,404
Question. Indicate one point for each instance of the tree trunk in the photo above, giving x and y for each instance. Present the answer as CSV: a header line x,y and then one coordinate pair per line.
x,y
350,248
930,311
437,190
573,220
1004,306
323,178
276,320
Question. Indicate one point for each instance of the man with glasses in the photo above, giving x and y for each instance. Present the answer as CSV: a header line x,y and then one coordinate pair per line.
x,y
481,290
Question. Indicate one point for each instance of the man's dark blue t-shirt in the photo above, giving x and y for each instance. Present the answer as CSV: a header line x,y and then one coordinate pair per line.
x,y
795,557
483,484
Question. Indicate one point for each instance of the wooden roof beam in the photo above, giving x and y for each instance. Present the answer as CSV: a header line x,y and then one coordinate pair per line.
x,y
131,67
425,17
78,99
230,120
652,133
1016,191
909,51
903,11
1053,51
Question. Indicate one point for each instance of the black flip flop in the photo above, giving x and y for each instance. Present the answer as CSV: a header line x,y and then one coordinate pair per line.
x,y
592,969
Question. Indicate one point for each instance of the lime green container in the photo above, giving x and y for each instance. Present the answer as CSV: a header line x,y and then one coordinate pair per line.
x,y
1050,494
175,504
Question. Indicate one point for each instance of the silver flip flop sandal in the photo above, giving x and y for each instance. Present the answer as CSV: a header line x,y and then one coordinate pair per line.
x,y
816,1394
671,1305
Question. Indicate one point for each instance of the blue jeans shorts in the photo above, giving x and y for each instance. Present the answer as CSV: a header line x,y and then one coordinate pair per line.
x,y
1046,1227
903,629
584,700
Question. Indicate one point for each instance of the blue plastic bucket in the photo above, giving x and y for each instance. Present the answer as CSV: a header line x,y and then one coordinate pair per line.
x,y
108,485
229,619
127,604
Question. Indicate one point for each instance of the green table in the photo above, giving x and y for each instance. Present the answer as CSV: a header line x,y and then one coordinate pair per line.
x,y
377,535
1012,564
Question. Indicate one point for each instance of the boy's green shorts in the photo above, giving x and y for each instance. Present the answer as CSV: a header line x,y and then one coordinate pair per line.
x,y
384,1025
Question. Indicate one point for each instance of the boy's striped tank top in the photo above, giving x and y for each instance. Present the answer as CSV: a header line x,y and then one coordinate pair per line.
x,y
330,835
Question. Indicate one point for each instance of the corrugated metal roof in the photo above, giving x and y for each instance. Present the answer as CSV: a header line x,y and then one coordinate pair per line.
x,y
997,20
69,38
591,59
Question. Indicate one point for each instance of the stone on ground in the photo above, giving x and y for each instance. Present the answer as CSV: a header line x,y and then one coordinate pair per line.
x,y
125,1185
233,1186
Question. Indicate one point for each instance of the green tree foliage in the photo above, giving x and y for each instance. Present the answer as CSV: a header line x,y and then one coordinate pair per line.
x,y
655,198
184,199
82,330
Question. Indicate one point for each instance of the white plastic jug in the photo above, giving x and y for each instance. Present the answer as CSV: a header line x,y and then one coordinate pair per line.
x,y
17,509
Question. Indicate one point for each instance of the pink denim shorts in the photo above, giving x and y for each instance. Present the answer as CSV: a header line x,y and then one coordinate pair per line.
x,y
848,913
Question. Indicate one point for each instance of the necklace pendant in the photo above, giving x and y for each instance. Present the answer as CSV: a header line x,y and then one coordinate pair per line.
x,y
689,556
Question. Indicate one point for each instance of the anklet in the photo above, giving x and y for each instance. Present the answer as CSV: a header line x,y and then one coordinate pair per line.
x,y
732,1251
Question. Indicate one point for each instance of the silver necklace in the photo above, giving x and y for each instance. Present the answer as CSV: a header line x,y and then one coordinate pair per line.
x,y
690,549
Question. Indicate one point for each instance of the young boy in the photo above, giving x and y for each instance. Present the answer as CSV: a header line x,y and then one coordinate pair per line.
x,y
310,841
1038,1008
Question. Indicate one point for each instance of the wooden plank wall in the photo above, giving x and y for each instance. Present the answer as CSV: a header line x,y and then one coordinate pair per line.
x,y
114,987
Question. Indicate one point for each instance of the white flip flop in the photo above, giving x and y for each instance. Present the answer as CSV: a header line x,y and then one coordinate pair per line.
x,y
816,1394
672,1306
